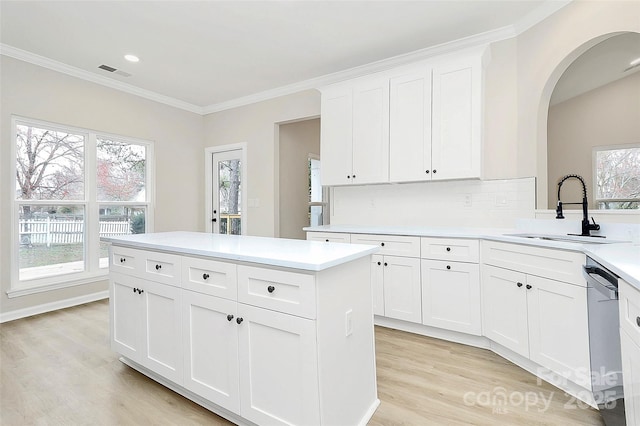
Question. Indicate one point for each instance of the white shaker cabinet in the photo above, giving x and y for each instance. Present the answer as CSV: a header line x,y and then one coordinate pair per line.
x,y
395,275
451,284
456,144
533,314
211,348
278,367
630,341
410,125
146,323
355,132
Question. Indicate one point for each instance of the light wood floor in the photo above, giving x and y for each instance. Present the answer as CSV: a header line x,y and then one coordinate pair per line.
x,y
58,369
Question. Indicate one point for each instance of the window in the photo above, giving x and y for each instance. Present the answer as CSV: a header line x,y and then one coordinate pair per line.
x,y
617,177
73,186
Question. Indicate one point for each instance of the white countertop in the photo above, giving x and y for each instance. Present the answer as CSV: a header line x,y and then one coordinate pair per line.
x,y
621,258
297,254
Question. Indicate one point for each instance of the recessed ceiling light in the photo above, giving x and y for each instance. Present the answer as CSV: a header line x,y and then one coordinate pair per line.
x,y
132,58
635,62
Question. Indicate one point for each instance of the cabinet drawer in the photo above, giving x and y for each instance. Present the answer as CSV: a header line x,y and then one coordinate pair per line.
x,y
210,277
160,267
393,245
124,260
328,237
282,291
559,265
630,310
450,249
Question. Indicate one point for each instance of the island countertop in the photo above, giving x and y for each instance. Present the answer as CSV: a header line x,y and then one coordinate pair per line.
x,y
297,254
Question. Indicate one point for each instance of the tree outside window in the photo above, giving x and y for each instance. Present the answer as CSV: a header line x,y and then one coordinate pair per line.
x,y
617,175
54,191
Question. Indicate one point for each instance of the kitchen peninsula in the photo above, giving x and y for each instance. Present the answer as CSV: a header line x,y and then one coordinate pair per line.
x,y
258,330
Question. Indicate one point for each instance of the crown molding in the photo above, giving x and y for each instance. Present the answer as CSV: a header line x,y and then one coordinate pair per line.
x,y
539,14
45,62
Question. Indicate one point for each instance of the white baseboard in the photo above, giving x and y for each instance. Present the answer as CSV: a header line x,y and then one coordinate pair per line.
x,y
52,306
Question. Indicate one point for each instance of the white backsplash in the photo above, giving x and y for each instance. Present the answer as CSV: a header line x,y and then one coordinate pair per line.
x,y
468,203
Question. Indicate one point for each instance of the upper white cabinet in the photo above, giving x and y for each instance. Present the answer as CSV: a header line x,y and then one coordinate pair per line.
x,y
355,132
413,123
410,125
456,142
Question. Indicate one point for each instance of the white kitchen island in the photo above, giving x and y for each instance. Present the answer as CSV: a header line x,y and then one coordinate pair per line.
x,y
259,330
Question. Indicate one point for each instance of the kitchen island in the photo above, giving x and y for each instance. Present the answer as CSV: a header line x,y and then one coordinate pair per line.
x,y
258,330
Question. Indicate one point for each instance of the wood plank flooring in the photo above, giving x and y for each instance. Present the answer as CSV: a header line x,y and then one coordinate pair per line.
x,y
58,369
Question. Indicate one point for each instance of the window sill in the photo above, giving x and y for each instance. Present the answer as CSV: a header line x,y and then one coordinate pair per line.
x,y
57,283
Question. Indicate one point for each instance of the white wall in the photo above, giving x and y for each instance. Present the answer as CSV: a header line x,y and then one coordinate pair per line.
x,y
544,52
35,92
608,115
257,125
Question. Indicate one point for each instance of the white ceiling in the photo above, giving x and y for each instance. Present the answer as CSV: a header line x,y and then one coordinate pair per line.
x,y
207,53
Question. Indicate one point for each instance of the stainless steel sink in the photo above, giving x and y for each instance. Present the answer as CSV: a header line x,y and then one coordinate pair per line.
x,y
566,238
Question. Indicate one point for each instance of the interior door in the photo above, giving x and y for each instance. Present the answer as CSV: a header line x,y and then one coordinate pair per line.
x,y
226,203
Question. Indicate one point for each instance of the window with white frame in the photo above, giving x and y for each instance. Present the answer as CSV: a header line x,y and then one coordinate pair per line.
x,y
73,186
617,176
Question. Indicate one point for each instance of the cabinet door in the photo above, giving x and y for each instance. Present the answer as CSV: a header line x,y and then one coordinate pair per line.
x,y
162,330
631,378
456,142
125,309
377,284
402,294
278,368
370,131
451,296
504,308
211,348
410,126
336,136
559,327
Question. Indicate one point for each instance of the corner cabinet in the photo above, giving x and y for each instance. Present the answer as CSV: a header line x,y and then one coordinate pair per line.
x,y
355,132
413,123
527,310
251,342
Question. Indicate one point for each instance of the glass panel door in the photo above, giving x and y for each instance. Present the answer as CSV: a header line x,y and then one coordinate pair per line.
x,y
227,194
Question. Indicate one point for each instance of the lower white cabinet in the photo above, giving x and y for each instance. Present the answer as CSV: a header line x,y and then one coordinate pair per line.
x,y
234,353
631,378
396,287
274,352
329,237
539,318
211,348
278,368
630,342
451,296
146,324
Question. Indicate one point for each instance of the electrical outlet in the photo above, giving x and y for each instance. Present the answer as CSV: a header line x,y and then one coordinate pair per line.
x,y
348,323
467,200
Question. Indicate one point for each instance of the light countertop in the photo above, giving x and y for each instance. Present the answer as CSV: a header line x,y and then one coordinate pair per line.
x,y
622,258
297,254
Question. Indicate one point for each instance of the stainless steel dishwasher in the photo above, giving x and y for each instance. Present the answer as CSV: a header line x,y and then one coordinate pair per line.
x,y
604,342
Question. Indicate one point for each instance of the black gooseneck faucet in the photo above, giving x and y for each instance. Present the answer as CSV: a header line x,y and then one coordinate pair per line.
x,y
586,225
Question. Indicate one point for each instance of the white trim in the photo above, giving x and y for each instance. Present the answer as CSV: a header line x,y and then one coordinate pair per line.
x,y
51,64
52,306
208,181
542,12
